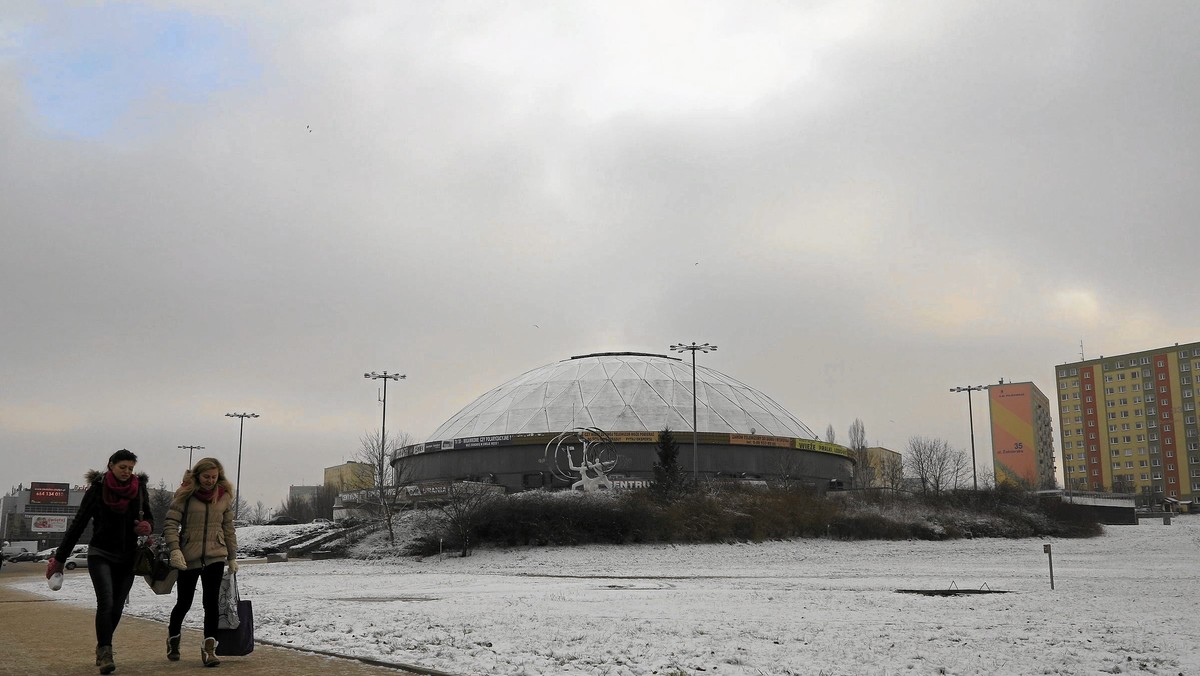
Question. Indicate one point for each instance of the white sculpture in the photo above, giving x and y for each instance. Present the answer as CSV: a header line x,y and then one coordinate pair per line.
x,y
598,459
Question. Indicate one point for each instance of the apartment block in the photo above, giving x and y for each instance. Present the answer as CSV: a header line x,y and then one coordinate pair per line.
x,y
1128,423
1022,435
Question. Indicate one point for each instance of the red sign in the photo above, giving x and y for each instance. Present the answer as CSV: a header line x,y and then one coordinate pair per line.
x,y
42,493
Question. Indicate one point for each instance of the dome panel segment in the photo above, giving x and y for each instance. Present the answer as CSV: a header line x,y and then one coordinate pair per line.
x,y
621,392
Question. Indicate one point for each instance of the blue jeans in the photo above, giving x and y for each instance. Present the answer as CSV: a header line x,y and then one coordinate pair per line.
x,y
112,581
185,587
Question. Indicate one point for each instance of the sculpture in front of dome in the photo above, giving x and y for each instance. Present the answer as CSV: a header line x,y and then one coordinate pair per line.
x,y
596,458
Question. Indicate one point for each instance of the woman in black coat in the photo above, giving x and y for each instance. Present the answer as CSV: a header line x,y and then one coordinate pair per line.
x,y
117,504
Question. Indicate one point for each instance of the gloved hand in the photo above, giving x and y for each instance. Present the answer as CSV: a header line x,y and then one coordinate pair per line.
x,y
232,565
53,566
177,560
141,527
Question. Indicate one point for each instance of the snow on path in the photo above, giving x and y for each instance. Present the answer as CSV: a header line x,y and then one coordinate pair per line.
x,y
1126,602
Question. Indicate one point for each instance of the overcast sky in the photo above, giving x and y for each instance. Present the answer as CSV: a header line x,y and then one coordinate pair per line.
x,y
219,207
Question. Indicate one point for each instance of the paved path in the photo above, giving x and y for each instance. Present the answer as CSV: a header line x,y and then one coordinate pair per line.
x,y
39,635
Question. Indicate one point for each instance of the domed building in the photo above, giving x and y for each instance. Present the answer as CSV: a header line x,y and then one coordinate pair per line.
x,y
502,437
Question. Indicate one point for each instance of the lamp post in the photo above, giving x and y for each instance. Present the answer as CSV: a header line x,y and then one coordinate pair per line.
x,y
693,348
971,413
189,450
383,425
237,489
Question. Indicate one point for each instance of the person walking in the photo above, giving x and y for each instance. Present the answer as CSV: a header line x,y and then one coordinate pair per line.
x,y
116,505
202,540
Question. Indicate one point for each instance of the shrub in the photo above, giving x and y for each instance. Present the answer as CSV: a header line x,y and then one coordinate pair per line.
x,y
731,514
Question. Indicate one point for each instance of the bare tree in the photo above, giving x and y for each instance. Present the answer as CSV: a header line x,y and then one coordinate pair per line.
x,y
384,481
795,470
464,504
864,471
891,472
935,463
830,435
298,508
258,513
323,501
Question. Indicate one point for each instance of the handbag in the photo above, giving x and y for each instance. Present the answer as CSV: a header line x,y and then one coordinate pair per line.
x,y
144,557
239,641
153,561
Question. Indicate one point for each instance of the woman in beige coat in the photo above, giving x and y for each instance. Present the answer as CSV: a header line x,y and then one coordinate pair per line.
x,y
204,505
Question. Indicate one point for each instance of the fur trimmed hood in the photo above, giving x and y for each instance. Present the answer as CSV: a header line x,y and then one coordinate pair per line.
x,y
94,476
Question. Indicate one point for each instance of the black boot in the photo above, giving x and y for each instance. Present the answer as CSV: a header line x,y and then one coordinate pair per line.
x,y
208,652
104,659
173,648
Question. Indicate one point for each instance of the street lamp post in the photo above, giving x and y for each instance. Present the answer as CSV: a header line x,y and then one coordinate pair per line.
x,y
237,489
971,413
383,425
189,450
693,348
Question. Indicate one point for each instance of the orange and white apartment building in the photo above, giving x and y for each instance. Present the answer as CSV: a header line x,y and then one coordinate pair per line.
x,y
1128,423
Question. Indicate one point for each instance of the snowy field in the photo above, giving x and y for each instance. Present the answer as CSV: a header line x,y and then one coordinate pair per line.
x,y
1124,603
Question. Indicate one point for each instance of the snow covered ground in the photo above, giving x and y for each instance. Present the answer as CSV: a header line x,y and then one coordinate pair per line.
x,y
1127,602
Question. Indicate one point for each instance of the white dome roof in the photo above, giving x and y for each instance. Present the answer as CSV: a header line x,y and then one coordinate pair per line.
x,y
621,392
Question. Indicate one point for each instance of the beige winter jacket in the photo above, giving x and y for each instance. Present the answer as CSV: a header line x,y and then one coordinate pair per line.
x,y
208,532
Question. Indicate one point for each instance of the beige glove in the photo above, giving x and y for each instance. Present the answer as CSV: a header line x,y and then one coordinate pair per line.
x,y
177,560
232,565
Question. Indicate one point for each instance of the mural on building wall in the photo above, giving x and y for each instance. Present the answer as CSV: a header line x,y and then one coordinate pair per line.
x,y
1013,436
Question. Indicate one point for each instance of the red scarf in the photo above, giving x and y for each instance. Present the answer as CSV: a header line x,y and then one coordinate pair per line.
x,y
210,494
117,495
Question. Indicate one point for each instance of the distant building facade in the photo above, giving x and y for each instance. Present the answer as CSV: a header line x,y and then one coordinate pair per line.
x,y
1022,436
306,493
1129,423
41,512
879,467
350,476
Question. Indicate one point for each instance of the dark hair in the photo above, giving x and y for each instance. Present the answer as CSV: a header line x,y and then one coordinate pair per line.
x,y
120,455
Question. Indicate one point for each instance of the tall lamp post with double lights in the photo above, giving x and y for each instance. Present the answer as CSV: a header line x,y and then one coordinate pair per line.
x,y
385,376
694,348
971,413
189,450
237,489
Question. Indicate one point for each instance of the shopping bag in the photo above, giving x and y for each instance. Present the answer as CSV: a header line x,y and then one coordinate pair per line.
x,y
227,602
240,641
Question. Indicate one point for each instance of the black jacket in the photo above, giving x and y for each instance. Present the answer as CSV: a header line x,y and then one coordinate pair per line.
x,y
112,534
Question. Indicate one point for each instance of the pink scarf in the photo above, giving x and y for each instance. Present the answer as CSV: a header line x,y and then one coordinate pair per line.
x,y
117,495
209,495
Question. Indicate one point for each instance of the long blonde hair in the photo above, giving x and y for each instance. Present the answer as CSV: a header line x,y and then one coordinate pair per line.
x,y
190,484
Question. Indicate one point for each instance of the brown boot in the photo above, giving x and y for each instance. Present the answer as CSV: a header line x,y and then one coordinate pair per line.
x,y
208,652
104,659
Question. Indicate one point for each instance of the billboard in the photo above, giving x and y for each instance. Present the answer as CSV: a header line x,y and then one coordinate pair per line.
x,y
48,523
1013,449
44,493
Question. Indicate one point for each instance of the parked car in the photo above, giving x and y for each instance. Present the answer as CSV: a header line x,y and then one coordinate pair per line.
x,y
45,554
76,561
23,556
320,520
282,520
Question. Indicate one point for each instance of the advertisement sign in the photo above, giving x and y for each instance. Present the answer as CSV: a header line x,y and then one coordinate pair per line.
x,y
1013,450
759,440
48,523
44,493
